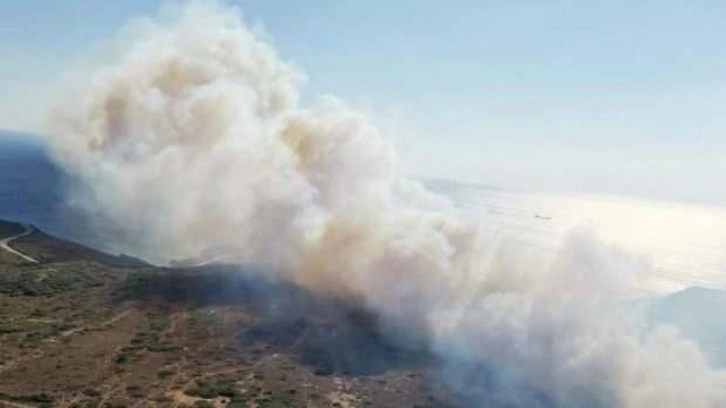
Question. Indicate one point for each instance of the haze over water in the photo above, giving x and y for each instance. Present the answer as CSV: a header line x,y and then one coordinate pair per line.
x,y
685,242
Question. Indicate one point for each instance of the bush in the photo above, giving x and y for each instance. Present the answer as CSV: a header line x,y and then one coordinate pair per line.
x,y
324,370
116,403
202,391
37,398
238,403
121,358
225,389
164,373
207,390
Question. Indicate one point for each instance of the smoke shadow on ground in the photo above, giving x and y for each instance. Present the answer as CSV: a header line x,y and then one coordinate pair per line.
x,y
332,336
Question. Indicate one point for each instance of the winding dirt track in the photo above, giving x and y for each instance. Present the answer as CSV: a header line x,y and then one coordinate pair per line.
x,y
5,244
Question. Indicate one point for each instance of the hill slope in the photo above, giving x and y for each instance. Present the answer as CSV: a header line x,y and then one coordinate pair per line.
x,y
85,329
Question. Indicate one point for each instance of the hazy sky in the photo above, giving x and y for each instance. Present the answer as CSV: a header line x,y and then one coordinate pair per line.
x,y
612,97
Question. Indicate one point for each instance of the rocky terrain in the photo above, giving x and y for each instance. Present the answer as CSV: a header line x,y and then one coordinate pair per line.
x,y
79,328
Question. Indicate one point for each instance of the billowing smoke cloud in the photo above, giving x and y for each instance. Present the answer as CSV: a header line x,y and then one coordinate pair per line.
x,y
192,142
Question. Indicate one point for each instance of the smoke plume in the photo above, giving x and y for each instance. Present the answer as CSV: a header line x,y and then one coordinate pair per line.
x,y
191,142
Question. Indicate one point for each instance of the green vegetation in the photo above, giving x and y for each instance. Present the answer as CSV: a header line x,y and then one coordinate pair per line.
x,y
238,403
36,398
121,358
42,400
116,403
135,391
209,389
275,401
148,340
31,285
48,282
94,402
165,373
158,321
19,326
323,371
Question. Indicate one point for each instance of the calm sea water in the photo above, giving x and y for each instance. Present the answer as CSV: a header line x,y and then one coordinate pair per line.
x,y
685,244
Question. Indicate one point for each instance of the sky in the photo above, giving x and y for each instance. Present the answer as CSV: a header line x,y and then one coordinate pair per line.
x,y
598,97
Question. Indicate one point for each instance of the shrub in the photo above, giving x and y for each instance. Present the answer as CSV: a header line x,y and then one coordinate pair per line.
x,y
121,358
164,373
323,370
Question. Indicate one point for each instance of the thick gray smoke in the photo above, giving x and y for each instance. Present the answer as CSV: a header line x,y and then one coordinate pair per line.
x,y
191,140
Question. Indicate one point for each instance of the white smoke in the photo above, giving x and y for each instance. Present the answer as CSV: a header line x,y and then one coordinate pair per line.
x,y
193,143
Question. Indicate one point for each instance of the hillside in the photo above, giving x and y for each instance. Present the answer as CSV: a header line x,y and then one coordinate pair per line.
x,y
80,328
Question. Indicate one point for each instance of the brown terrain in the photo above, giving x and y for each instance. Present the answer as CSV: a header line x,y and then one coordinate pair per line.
x,y
79,328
